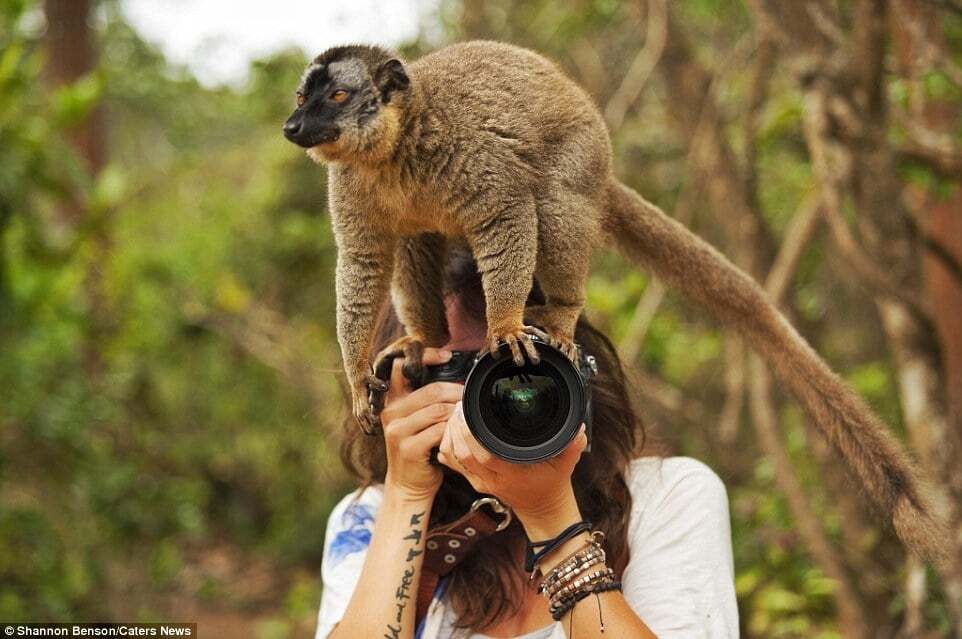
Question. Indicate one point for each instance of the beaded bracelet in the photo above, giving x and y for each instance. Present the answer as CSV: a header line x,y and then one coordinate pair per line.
x,y
569,602
559,612
593,546
573,562
551,591
594,582
573,579
576,584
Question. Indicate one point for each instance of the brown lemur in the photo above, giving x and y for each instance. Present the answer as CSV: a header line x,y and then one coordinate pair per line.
x,y
491,145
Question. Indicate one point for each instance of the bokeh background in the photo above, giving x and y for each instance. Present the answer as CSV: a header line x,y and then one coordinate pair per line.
x,y
170,387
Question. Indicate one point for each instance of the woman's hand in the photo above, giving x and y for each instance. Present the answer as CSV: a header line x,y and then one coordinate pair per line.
x,y
413,423
540,494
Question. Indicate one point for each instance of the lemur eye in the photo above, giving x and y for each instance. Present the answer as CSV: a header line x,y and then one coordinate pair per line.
x,y
340,95
301,99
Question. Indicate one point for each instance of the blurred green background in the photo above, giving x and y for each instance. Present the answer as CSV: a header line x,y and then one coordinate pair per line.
x,y
170,386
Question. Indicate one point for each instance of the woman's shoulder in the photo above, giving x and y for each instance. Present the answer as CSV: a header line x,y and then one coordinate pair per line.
x,y
655,482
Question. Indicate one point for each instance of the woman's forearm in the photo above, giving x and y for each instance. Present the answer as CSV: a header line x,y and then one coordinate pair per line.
x,y
584,620
384,601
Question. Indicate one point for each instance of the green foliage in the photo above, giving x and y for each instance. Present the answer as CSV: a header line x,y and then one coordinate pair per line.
x,y
116,456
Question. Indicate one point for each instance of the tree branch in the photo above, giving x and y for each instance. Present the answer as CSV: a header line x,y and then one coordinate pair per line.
x,y
637,76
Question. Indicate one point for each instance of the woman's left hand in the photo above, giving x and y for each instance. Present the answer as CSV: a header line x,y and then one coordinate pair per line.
x,y
540,494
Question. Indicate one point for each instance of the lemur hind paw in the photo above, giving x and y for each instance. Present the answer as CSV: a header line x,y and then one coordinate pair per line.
x,y
369,398
517,339
365,414
409,348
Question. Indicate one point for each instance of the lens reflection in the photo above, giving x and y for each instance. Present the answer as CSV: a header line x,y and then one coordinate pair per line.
x,y
524,406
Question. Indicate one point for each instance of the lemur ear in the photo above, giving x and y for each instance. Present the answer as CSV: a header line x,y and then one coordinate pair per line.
x,y
391,77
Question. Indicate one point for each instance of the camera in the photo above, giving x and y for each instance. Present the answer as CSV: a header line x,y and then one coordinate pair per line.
x,y
525,413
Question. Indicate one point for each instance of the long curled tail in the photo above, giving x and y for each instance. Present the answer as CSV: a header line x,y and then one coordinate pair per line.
x,y
683,260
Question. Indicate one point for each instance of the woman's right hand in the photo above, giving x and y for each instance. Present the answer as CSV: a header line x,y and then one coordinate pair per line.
x,y
413,423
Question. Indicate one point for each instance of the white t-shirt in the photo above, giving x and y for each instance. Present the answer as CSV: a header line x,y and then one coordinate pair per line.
x,y
679,578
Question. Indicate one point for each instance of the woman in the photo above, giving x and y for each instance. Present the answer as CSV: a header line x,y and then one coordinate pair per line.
x,y
665,521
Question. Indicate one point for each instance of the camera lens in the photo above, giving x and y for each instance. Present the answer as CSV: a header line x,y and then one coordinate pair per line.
x,y
525,413
523,406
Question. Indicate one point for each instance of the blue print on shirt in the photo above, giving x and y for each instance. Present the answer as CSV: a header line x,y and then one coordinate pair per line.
x,y
356,534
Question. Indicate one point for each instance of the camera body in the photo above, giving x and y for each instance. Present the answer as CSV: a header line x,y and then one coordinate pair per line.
x,y
525,413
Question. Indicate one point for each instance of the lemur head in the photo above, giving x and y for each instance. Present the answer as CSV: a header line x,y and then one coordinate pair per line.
x,y
347,104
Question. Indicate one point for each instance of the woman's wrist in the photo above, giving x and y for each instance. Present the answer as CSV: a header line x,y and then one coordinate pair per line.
x,y
407,496
551,519
551,516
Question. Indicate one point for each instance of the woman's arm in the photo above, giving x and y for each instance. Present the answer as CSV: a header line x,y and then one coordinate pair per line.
x,y
385,597
584,620
544,501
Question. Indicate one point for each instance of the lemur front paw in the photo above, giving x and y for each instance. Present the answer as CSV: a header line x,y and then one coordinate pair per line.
x,y
517,339
560,338
563,343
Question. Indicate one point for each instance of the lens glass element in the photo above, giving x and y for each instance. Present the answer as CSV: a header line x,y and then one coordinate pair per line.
x,y
524,406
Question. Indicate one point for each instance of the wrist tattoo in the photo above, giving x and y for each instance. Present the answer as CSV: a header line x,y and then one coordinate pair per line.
x,y
402,594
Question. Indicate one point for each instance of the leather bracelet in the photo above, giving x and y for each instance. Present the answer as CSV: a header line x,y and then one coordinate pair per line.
x,y
531,558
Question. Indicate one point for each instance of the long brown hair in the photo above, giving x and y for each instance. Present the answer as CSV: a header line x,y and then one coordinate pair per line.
x,y
488,583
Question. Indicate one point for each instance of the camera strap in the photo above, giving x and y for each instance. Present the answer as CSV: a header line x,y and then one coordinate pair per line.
x,y
448,544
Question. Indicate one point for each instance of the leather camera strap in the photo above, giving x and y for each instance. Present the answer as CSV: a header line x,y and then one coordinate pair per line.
x,y
447,545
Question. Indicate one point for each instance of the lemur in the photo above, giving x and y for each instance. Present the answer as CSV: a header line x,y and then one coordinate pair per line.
x,y
491,145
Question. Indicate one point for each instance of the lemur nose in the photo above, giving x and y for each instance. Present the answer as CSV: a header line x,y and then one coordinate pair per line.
x,y
292,128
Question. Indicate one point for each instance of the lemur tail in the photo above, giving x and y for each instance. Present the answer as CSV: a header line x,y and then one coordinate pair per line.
x,y
683,260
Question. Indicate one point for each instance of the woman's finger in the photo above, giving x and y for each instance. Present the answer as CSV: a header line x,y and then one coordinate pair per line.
x,y
435,356
485,458
459,437
402,427
445,445
421,443
433,393
572,453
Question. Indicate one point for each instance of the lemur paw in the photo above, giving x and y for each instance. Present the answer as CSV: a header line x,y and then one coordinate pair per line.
x,y
517,340
412,350
548,319
563,343
365,414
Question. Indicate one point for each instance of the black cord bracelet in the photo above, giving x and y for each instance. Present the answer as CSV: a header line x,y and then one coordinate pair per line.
x,y
531,558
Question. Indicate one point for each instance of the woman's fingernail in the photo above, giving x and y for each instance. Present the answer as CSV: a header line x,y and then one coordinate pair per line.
x,y
445,355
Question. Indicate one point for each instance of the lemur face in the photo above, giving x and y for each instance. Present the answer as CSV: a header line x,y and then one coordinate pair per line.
x,y
340,104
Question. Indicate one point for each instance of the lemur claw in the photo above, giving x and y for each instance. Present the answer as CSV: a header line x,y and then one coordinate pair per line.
x,y
412,350
517,340
365,413
376,385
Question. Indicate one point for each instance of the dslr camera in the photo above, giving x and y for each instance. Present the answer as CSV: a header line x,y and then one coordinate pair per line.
x,y
525,413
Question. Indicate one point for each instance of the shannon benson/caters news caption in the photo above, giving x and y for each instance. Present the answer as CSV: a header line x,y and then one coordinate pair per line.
x,y
98,629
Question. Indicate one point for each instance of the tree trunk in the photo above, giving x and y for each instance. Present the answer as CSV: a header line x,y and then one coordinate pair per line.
x,y
71,54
